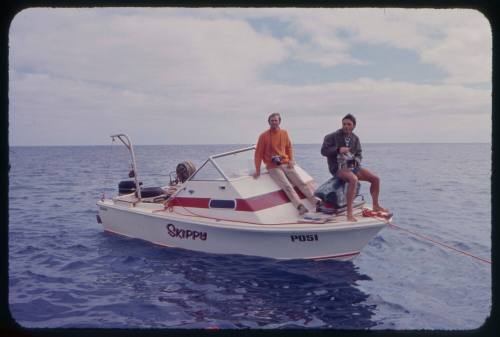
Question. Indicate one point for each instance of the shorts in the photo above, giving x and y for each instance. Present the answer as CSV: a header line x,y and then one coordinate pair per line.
x,y
354,170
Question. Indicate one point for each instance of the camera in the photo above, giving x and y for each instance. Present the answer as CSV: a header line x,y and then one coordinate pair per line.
x,y
346,160
276,160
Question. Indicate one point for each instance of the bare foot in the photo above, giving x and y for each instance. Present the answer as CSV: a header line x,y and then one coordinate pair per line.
x,y
351,218
380,209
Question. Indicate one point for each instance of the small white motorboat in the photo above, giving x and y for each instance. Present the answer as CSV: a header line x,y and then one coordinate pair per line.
x,y
220,208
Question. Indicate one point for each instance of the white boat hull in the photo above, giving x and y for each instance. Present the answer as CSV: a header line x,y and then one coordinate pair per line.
x,y
221,208
336,239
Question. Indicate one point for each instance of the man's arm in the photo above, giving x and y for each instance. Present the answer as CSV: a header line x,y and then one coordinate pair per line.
x,y
329,147
357,153
259,153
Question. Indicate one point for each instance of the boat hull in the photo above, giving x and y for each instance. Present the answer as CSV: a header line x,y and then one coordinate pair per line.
x,y
332,240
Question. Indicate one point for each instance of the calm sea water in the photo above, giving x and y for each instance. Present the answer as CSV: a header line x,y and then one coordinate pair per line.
x,y
64,271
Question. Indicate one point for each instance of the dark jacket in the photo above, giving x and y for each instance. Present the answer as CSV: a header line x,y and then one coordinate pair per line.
x,y
333,142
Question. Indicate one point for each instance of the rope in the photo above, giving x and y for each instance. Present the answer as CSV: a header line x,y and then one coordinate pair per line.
x,y
439,243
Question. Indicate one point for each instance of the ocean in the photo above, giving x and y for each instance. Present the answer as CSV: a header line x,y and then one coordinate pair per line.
x,y
65,272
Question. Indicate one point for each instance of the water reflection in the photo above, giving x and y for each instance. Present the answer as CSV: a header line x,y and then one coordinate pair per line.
x,y
233,291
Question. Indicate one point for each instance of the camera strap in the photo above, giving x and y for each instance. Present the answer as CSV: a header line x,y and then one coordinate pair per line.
x,y
347,141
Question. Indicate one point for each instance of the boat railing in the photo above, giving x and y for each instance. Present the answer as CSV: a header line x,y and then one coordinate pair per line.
x,y
217,167
128,144
232,152
227,167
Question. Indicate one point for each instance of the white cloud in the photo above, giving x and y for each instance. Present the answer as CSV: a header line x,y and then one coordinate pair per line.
x,y
146,54
457,41
466,53
194,76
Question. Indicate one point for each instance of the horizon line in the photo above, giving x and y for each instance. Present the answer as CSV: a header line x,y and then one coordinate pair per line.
x,y
243,144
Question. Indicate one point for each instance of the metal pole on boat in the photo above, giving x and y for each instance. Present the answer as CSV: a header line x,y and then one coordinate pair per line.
x,y
218,168
128,145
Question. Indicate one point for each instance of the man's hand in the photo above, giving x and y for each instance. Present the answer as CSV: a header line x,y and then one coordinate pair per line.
x,y
343,149
256,175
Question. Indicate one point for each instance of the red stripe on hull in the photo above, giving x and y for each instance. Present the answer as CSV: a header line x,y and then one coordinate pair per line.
x,y
191,202
253,204
261,202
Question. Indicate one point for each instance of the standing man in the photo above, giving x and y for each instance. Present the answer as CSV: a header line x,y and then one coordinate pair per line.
x,y
343,151
275,149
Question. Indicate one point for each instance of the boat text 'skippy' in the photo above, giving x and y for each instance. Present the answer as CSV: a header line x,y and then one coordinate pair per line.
x,y
220,208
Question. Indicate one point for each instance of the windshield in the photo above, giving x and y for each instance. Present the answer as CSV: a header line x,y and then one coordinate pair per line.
x,y
234,164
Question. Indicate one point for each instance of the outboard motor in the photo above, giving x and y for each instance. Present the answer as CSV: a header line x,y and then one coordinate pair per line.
x,y
334,193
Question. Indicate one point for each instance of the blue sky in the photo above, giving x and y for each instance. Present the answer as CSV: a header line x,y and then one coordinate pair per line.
x,y
197,76
404,66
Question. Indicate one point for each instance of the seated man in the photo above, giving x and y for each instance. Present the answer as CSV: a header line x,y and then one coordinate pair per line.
x,y
275,149
343,151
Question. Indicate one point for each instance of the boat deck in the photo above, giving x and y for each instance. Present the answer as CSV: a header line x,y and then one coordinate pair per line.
x,y
328,222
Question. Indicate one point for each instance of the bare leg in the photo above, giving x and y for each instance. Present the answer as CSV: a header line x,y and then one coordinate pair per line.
x,y
366,175
352,181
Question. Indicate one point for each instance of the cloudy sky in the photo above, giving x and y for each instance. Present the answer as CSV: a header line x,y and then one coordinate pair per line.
x,y
191,76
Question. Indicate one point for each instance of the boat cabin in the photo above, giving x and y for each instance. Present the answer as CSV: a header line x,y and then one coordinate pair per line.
x,y
224,188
